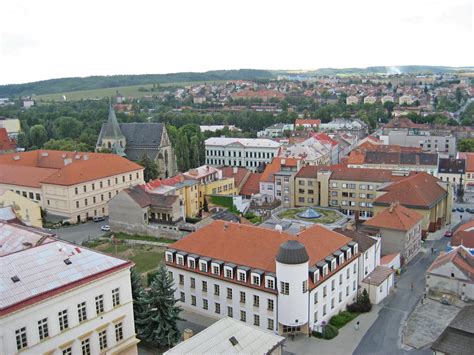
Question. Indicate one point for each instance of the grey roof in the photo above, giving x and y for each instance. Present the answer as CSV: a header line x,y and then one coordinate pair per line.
x,y
230,265
218,262
205,258
403,158
337,253
365,242
271,274
245,268
292,252
458,337
258,271
194,256
320,264
183,253
144,198
329,258
171,250
111,128
142,134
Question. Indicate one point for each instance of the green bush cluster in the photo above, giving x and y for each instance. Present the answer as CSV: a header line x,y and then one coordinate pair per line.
x,y
329,332
342,318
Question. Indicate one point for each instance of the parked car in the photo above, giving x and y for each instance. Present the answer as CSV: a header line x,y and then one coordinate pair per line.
x,y
105,228
470,210
448,234
99,219
454,210
460,209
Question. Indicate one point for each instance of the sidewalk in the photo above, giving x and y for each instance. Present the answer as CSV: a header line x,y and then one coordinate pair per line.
x,y
345,343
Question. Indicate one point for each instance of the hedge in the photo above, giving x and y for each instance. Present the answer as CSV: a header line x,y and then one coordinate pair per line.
x,y
329,332
342,318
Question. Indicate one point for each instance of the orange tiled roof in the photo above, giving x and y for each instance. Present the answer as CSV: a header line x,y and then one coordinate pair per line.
x,y
252,185
49,167
275,167
396,217
301,122
239,176
256,247
6,144
469,158
459,257
419,190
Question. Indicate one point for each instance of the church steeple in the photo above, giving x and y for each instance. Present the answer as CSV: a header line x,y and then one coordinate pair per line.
x,y
112,128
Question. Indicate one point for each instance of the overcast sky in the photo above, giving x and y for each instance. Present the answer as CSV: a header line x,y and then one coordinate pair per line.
x,y
52,39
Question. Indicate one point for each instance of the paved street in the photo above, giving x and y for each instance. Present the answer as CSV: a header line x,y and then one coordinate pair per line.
x,y
384,337
81,232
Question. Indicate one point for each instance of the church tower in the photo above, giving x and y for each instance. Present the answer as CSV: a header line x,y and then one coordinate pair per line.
x,y
111,136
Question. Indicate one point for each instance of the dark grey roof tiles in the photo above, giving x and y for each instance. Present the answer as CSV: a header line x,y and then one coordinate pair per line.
x,y
292,252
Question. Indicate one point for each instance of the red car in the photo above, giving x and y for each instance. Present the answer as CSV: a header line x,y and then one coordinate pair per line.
x,y
448,234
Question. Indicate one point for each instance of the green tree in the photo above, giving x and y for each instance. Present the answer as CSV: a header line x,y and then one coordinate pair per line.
x,y
23,140
66,144
38,136
67,127
151,168
157,322
458,94
466,145
194,151
182,152
137,291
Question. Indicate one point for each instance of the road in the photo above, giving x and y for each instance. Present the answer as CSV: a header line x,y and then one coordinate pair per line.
x,y
79,233
458,113
384,336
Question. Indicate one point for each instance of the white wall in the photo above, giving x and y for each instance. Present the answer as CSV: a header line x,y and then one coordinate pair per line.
x,y
49,308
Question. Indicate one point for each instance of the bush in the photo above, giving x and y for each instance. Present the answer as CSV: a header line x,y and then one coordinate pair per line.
x,y
343,318
362,305
329,332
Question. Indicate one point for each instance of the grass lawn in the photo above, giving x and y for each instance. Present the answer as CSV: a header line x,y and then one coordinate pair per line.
x,y
327,216
145,257
147,238
127,91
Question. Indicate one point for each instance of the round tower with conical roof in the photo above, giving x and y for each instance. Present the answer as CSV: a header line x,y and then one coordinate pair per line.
x,y
292,277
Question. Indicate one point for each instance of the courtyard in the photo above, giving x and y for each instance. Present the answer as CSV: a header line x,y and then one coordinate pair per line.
x,y
327,216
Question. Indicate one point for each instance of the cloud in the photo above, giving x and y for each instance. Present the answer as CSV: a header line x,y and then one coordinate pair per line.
x,y
15,44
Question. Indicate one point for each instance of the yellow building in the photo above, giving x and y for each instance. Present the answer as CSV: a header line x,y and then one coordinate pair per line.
x,y
12,125
27,211
352,100
306,189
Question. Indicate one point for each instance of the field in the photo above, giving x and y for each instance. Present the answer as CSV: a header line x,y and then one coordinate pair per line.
x,y
127,91
145,257
327,216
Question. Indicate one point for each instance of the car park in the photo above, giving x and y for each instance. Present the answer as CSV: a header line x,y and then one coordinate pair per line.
x,y
460,209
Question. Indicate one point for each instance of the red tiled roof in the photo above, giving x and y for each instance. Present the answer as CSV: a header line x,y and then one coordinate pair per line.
x,y
396,217
323,137
404,122
312,122
252,185
464,235
256,247
460,257
378,276
275,167
310,171
48,166
239,176
6,144
469,158
419,190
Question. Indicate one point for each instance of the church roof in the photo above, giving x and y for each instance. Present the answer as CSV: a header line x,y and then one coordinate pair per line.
x,y
111,129
142,134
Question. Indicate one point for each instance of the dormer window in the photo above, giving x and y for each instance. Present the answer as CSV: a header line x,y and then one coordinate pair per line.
x,y
255,279
242,275
341,259
191,263
216,270
203,266
316,276
179,259
169,257
349,254
270,282
333,265
325,270
228,272
356,248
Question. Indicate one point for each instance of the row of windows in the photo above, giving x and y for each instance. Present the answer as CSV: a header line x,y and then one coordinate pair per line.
x,y
352,195
230,311
301,182
32,196
102,183
63,319
95,199
248,163
335,185
238,154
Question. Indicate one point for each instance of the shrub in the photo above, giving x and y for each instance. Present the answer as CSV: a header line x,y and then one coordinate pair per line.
x,y
343,318
362,305
328,332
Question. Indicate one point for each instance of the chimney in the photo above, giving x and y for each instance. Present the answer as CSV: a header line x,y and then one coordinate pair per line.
x,y
187,333
86,157
235,169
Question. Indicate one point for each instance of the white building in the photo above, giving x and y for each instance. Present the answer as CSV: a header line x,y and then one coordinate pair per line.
x,y
57,298
263,277
230,336
245,152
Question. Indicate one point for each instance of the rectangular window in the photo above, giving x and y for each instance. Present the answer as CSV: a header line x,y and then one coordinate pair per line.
x,y
270,324
228,273
216,290
284,288
256,320
115,297
243,316
182,297
191,263
229,293
205,304
305,286
63,320
332,303
215,270
256,301
193,282
203,267
333,285
103,339
270,283
67,351
99,304
76,190
118,332
340,297
315,297
348,272
193,300
242,276
324,310
82,312
21,340
347,290
86,347
230,312
204,286
242,297
340,279
256,280
217,308
270,305
181,279
43,328
324,291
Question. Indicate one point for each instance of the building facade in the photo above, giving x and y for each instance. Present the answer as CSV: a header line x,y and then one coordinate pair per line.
x,y
280,284
244,152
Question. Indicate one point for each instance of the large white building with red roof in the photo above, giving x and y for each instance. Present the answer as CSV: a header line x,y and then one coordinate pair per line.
x,y
57,298
266,278
72,186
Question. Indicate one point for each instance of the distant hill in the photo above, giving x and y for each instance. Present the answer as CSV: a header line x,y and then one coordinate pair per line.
x,y
54,86
67,85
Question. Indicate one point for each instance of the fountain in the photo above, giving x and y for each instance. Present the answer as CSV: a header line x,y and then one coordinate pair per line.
x,y
309,214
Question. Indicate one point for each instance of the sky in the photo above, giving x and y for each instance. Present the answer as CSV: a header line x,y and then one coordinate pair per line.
x,y
52,39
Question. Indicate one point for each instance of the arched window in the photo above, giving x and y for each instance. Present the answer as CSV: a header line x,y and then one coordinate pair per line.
x,y
109,145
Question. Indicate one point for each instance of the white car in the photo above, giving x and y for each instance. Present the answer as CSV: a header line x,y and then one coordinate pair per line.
x,y
105,228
